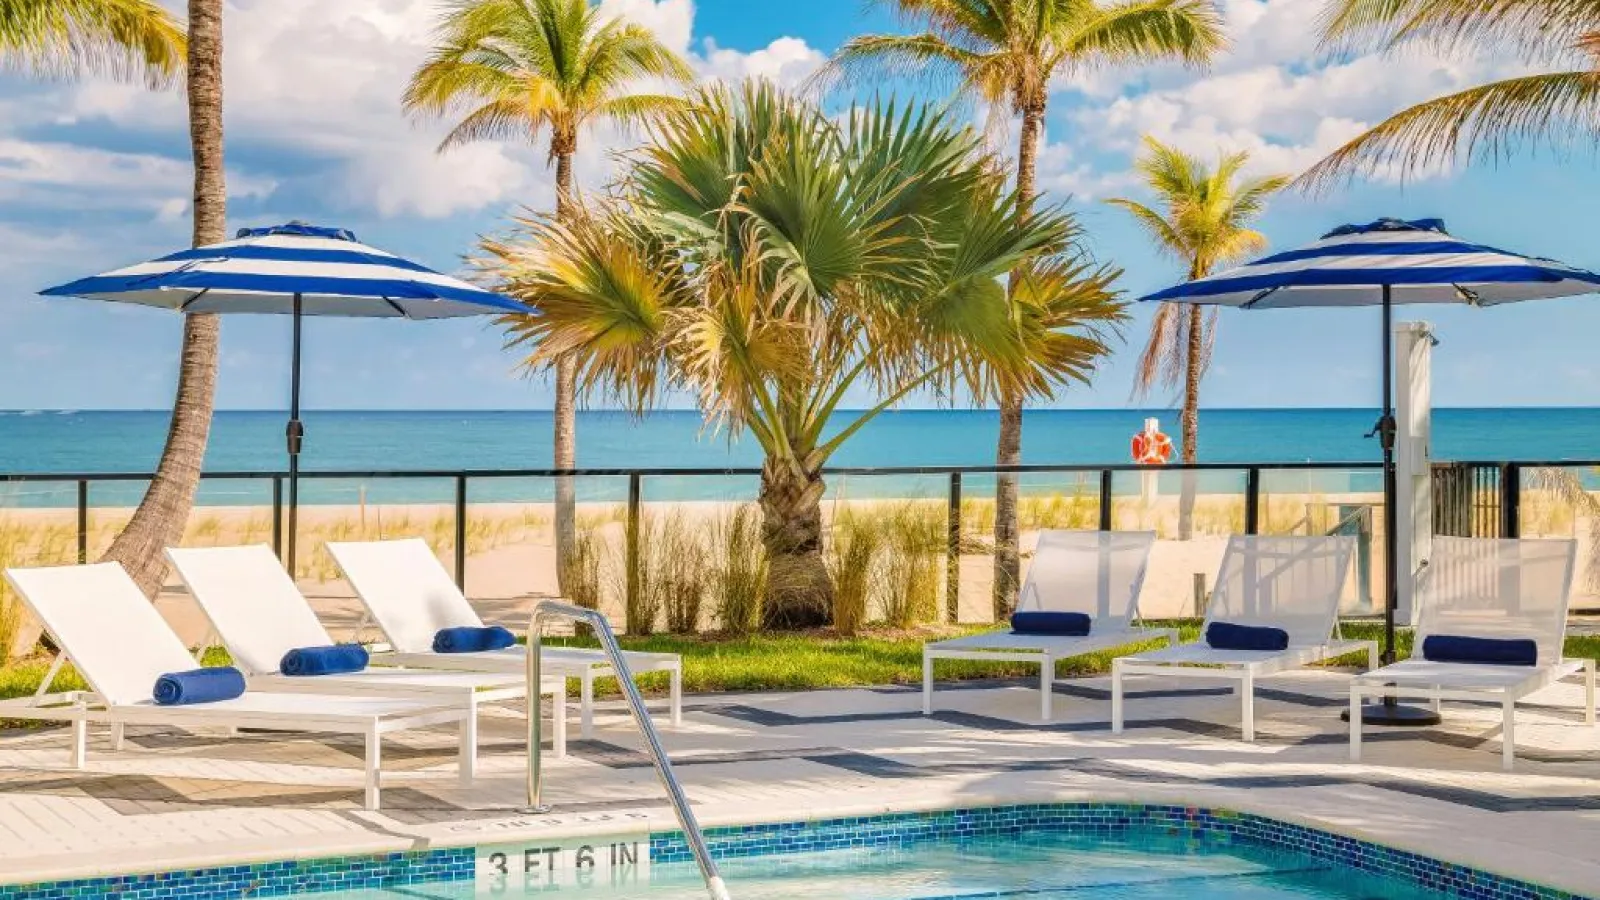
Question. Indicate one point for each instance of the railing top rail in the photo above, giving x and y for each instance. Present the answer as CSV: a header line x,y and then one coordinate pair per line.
x,y
1034,468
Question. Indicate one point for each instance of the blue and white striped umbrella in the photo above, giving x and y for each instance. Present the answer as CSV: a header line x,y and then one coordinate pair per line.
x,y
296,270
1356,265
264,269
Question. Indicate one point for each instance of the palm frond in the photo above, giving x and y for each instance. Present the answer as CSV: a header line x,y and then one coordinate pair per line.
x,y
1540,28
131,40
926,57
1485,123
1147,30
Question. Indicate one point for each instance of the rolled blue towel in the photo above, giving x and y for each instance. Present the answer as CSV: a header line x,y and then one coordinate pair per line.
x,y
468,639
1055,624
339,659
1449,648
198,686
1228,636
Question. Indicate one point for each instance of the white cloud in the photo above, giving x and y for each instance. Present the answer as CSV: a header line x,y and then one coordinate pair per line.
x,y
1273,94
85,178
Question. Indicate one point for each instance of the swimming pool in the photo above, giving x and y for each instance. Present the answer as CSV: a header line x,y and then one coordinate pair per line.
x,y
1086,851
1033,865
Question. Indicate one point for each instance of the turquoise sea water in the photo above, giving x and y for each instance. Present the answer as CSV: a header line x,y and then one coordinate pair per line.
x,y
1036,866
50,441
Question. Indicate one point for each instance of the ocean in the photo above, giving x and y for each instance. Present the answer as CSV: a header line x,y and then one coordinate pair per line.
x,y
71,441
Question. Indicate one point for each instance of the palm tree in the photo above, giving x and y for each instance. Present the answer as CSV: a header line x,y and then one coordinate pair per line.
x,y
1203,221
1005,53
514,69
128,39
138,39
1559,106
768,259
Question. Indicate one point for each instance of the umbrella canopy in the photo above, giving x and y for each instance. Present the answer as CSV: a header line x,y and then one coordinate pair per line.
x,y
1412,262
1386,262
263,270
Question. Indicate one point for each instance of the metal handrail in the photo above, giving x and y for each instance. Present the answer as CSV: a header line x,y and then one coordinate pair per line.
x,y
554,609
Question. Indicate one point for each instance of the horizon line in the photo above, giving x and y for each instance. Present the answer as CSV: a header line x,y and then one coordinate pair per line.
x,y
44,410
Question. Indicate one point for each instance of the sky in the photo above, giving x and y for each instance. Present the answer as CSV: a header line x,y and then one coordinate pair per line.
x,y
95,175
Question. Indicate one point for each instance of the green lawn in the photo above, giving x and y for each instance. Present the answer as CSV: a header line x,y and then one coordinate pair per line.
x,y
812,660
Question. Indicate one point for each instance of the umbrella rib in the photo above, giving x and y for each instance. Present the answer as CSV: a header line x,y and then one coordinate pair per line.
x,y
189,302
396,307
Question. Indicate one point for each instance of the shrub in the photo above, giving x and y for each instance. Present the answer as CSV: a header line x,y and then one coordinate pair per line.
x,y
741,573
852,557
912,555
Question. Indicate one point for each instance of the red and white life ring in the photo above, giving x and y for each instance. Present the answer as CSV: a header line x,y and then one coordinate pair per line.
x,y
1151,447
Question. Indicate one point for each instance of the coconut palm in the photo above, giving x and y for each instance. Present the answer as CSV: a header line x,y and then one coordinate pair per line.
x,y
516,69
137,39
769,260
1202,219
1005,53
127,39
1558,106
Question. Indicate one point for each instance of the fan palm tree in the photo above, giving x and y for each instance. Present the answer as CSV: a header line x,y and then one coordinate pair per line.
x,y
1202,219
516,69
769,259
138,39
1005,53
128,39
1558,106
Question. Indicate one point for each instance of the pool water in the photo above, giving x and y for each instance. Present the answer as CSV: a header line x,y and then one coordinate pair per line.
x,y
1036,866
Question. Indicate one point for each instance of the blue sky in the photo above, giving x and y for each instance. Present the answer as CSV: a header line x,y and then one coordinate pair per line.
x,y
95,175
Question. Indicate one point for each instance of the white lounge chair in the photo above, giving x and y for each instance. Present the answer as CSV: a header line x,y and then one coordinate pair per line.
x,y
1098,573
121,646
411,597
260,615
1485,588
1291,583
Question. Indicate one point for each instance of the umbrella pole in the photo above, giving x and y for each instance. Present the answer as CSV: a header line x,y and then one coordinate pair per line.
x,y
294,433
1390,712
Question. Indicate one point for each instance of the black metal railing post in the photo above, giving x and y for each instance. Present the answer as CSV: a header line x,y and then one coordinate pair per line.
x,y
277,515
83,521
1105,499
632,562
952,559
461,532
1510,500
1252,500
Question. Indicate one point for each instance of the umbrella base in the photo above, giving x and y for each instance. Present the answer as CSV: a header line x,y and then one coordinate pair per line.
x,y
1394,715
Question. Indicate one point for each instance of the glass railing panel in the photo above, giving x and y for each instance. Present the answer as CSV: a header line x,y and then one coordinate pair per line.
x,y
1564,502
1333,501
38,527
511,544
1192,514
700,563
886,546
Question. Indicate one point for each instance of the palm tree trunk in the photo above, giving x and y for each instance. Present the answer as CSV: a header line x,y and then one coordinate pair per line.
x,y
162,514
1190,421
566,419
799,592
1008,452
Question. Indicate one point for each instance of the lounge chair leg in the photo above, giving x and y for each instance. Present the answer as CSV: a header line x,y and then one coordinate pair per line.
x,y
1116,696
677,695
1435,703
1588,691
927,683
80,742
1247,693
558,720
117,729
467,762
1372,657
1508,741
586,700
1355,724
374,766
1047,677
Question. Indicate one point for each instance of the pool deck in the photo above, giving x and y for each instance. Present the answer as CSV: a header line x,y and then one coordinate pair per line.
x,y
170,800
